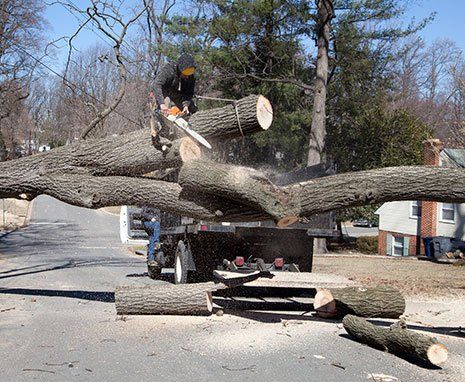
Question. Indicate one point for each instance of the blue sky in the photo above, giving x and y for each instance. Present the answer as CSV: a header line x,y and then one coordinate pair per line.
x,y
449,22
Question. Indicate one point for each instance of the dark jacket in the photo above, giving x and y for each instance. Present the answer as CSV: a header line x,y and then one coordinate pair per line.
x,y
169,83
149,213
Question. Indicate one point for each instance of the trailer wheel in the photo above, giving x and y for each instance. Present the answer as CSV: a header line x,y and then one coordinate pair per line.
x,y
181,263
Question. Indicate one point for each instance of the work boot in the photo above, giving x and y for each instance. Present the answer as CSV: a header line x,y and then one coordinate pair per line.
x,y
153,269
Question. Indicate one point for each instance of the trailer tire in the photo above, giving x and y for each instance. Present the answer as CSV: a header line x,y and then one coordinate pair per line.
x,y
181,263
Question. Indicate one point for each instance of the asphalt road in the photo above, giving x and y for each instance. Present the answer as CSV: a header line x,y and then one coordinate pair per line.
x,y
58,321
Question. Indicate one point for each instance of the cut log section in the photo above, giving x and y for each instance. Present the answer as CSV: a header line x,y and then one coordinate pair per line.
x,y
252,114
243,185
381,301
397,341
181,299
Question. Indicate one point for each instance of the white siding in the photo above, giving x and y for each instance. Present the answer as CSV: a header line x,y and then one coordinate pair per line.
x,y
456,229
395,217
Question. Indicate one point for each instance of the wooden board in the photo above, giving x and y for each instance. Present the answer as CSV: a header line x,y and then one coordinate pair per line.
x,y
294,280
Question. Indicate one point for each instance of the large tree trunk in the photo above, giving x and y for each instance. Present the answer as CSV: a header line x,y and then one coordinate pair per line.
x,y
398,341
181,299
318,128
381,301
240,184
133,154
229,201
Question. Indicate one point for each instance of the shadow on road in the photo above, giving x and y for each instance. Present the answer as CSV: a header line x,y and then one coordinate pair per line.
x,y
269,317
69,264
444,330
79,294
414,361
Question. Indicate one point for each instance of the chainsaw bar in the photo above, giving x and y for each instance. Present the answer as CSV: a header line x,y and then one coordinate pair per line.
x,y
182,124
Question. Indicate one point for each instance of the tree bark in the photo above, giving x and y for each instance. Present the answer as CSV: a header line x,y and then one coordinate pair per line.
x,y
398,341
318,127
230,201
130,154
286,204
243,185
181,299
229,193
382,301
254,114
317,139
133,154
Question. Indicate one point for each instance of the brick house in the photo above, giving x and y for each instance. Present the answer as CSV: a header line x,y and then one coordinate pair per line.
x,y
403,224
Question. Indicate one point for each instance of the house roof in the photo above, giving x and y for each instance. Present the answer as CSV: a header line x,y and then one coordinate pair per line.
x,y
455,157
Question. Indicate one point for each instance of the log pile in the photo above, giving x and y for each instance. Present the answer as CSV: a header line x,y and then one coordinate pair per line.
x,y
350,303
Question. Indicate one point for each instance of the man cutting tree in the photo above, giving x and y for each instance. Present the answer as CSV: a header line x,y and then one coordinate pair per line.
x,y
173,92
174,85
172,101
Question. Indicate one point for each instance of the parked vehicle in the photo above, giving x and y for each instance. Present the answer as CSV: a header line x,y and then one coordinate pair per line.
x,y
364,223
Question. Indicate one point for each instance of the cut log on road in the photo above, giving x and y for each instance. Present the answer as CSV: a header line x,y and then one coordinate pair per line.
x,y
254,114
181,299
381,301
397,341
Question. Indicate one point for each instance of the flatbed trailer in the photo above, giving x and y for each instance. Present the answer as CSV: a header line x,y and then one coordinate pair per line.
x,y
195,249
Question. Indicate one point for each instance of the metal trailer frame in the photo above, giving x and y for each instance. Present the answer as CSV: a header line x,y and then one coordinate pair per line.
x,y
197,248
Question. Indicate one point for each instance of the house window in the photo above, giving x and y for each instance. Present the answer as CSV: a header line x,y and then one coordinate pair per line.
x,y
398,246
448,212
415,209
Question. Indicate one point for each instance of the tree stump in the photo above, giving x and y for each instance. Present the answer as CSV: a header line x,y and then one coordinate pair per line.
x,y
381,301
397,341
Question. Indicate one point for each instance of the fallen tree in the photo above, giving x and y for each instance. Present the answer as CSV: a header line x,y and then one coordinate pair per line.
x,y
396,340
107,172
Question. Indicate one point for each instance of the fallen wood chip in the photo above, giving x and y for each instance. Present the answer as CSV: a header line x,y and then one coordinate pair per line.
x,y
382,378
251,368
7,309
42,370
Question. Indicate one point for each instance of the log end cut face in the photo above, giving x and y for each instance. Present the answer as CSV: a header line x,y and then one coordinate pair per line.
x,y
189,150
264,112
437,354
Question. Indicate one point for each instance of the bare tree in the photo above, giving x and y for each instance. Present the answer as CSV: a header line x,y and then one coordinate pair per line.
x,y
108,18
21,24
